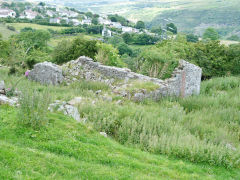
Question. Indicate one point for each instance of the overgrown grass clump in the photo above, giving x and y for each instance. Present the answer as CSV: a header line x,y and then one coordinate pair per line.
x,y
33,107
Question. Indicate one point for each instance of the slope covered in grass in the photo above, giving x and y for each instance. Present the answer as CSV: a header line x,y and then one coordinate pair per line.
x,y
202,132
5,32
69,150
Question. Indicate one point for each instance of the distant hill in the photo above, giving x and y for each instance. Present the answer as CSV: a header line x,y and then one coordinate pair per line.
x,y
189,15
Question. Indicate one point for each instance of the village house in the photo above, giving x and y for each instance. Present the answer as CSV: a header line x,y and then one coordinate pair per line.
x,y
69,14
126,29
4,13
29,14
50,13
86,21
106,32
55,20
116,25
103,21
76,22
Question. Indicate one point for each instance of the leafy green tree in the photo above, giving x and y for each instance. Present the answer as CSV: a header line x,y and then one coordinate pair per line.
x,y
66,50
108,55
172,28
192,38
127,38
33,39
140,25
157,30
89,14
95,21
123,48
211,33
115,40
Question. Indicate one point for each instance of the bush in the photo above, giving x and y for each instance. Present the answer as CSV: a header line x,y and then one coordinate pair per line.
x,y
33,109
11,28
108,55
67,50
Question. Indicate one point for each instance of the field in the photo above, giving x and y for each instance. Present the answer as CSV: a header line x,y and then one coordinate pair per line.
x,y
55,40
192,138
19,26
6,33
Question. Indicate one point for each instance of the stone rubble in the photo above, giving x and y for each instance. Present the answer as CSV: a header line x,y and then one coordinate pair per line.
x,y
66,108
12,101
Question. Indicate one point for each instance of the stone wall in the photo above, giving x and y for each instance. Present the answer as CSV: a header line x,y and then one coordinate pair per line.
x,y
185,80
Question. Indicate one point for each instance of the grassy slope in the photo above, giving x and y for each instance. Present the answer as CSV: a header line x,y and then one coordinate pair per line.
x,y
55,40
69,150
19,26
6,33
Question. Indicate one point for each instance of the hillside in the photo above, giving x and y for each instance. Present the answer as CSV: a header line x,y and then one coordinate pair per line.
x,y
190,16
65,149
208,125
68,150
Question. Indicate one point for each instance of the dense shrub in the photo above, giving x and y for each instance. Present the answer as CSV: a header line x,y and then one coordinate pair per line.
x,y
66,50
108,55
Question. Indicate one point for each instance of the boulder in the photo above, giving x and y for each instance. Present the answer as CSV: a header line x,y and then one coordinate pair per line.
x,y
67,109
46,73
6,100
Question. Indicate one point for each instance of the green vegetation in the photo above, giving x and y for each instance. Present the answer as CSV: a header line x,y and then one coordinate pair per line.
x,y
69,150
202,129
211,33
19,26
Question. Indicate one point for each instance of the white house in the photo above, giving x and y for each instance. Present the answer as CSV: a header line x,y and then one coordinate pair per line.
x,y
76,22
104,21
29,14
106,32
126,29
86,21
55,20
68,13
72,14
116,25
4,13
50,13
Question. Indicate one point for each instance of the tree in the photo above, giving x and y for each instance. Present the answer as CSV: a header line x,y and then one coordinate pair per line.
x,y
123,48
108,55
89,14
127,38
140,25
172,28
211,33
66,50
95,21
157,30
33,39
192,38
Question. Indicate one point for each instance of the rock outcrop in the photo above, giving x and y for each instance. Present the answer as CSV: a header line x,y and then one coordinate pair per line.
x,y
46,73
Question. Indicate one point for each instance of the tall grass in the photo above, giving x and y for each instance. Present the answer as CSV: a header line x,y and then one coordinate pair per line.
x,y
33,107
203,128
